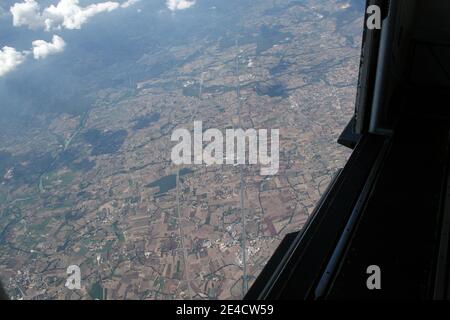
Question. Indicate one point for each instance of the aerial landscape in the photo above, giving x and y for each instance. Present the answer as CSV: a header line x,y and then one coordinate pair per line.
x,y
86,176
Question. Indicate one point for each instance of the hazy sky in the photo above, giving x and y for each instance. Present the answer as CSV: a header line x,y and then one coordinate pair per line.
x,y
54,17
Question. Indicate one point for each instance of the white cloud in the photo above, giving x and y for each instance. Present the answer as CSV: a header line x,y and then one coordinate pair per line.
x,y
42,49
65,14
68,14
174,5
10,58
27,14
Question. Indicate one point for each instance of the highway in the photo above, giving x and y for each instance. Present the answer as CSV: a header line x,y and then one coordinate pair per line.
x,y
241,184
181,234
